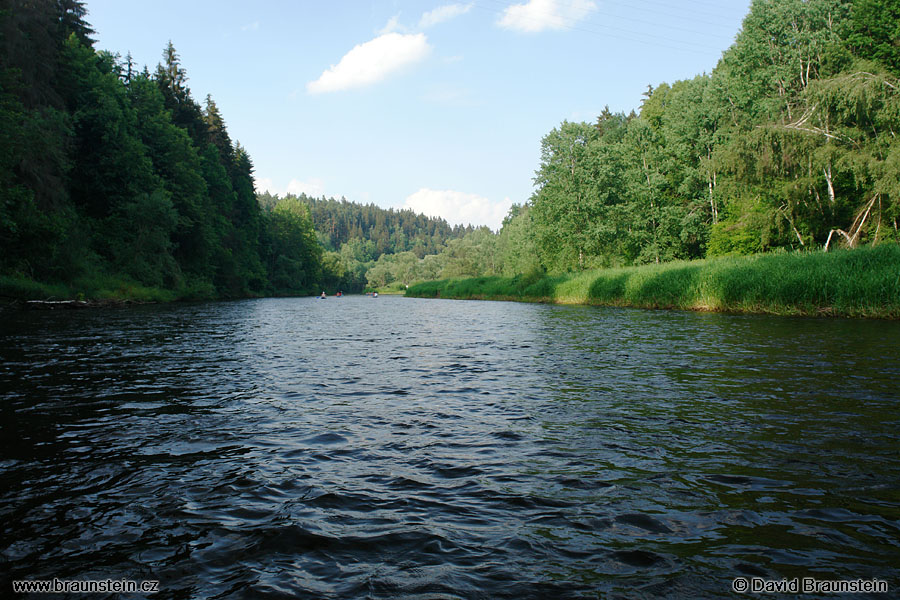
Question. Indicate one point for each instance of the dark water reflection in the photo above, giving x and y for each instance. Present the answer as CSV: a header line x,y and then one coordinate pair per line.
x,y
439,449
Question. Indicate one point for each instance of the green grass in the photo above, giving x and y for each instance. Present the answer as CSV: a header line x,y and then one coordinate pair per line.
x,y
864,282
97,288
22,288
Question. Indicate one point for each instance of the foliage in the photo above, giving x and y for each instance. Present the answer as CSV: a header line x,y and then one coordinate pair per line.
x,y
874,31
294,255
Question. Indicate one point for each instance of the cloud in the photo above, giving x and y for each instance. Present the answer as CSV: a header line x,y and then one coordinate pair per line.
x,y
443,13
371,62
254,26
264,184
459,208
540,15
314,187
392,25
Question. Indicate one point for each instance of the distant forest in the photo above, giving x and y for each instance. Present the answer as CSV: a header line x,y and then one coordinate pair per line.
x,y
115,180
358,237
390,231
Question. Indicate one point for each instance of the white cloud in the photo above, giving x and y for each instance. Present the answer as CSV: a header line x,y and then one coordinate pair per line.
x,y
540,15
264,184
314,187
459,208
443,13
392,25
254,26
371,62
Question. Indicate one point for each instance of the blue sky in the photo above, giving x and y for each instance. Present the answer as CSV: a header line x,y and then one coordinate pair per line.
x,y
436,106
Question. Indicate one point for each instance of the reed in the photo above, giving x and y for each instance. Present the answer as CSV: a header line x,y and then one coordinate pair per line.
x,y
864,282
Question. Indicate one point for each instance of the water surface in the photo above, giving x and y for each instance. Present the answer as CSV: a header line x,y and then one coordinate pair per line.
x,y
393,447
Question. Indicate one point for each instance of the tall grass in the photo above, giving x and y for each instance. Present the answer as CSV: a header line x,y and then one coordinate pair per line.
x,y
98,287
864,282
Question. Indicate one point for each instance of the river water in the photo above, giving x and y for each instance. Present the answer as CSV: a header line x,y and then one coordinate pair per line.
x,y
393,447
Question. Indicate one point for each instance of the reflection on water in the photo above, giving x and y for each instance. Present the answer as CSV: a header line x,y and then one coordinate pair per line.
x,y
427,448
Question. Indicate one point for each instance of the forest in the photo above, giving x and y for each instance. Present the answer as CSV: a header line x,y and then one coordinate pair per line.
x,y
356,237
115,180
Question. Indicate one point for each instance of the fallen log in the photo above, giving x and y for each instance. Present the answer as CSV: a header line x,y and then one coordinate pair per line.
x,y
55,304
73,304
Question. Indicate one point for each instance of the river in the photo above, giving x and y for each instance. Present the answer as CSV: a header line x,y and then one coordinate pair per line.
x,y
390,447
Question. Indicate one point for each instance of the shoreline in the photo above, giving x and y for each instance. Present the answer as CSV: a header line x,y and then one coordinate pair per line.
x,y
823,312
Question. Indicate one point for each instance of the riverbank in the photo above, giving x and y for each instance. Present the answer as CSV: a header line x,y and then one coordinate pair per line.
x,y
18,291
864,282
99,291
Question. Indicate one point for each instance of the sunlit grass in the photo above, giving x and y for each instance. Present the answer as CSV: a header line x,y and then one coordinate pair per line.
x,y
864,282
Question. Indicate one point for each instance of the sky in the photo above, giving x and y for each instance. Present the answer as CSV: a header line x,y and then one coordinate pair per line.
x,y
431,105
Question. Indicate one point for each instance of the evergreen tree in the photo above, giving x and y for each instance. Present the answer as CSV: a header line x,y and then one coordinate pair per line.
x,y
172,81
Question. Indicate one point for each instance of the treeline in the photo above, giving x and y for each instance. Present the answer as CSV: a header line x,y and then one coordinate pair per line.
x,y
792,142
789,143
116,181
358,240
391,231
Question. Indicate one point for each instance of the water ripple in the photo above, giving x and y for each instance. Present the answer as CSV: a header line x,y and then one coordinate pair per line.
x,y
287,448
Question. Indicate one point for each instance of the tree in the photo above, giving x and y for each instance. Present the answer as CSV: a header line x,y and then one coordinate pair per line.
x,y
172,81
874,31
566,204
71,15
294,258
179,167
215,132
516,245
112,172
245,219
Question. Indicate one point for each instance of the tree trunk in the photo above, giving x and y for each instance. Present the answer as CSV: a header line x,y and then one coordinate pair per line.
x,y
828,241
711,182
827,171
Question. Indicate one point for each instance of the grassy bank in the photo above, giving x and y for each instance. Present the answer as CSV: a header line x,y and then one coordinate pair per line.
x,y
855,283
104,289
